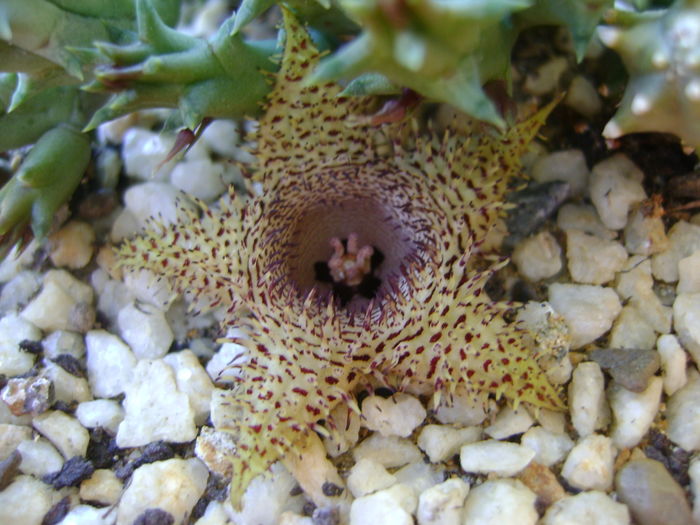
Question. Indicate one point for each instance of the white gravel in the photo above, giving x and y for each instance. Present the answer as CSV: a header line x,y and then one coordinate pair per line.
x,y
589,465
615,185
495,457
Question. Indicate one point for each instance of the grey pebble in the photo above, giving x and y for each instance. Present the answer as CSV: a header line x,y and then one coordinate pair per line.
x,y
631,368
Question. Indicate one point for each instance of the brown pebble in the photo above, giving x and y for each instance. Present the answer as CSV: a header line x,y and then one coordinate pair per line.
x,y
543,482
28,395
631,368
9,468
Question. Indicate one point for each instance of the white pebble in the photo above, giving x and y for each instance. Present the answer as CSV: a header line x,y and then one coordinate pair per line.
x,y
148,287
221,367
546,77
683,415
634,284
63,342
100,413
289,518
11,436
391,451
566,165
39,457
222,137
19,290
86,515
64,303
143,151
500,502
13,330
441,442
631,329
420,476
634,412
673,363
592,260
498,457
392,506
145,330
215,449
582,96
103,486
587,403
589,311
616,185
64,431
645,234
689,274
550,447
590,464
160,200
460,409
154,408
586,508
582,217
26,501
368,476
110,363
397,415
67,387
201,178
684,239
686,322
442,504
72,246
192,380
174,485
538,257
126,224
509,422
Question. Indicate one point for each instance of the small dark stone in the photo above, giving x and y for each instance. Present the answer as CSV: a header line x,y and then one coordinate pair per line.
x,y
57,512
3,381
9,468
631,368
33,347
674,458
331,489
308,508
326,516
154,517
296,491
533,206
70,364
217,488
75,470
102,449
156,451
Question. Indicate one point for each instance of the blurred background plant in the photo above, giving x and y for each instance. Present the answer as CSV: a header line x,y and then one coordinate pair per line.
x,y
70,65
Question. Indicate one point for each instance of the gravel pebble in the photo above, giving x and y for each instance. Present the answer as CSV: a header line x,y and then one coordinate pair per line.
x,y
100,413
550,447
582,96
673,363
684,239
143,151
582,217
686,322
442,504
420,476
635,286
347,431
103,486
36,499
193,381
694,473
683,415
87,515
633,412
441,442
19,290
509,422
13,330
592,260
546,78
461,409
500,502
589,311
64,303
10,438
173,486
368,476
9,469
73,472
543,482
64,431
147,287
498,457
72,246
392,506
538,256
652,495
27,395
645,234
157,199
397,415
587,404
154,408
630,368
67,387
586,508
566,165
689,274
632,330
201,178
616,184
39,457
590,464
215,449
144,328
110,363
390,451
